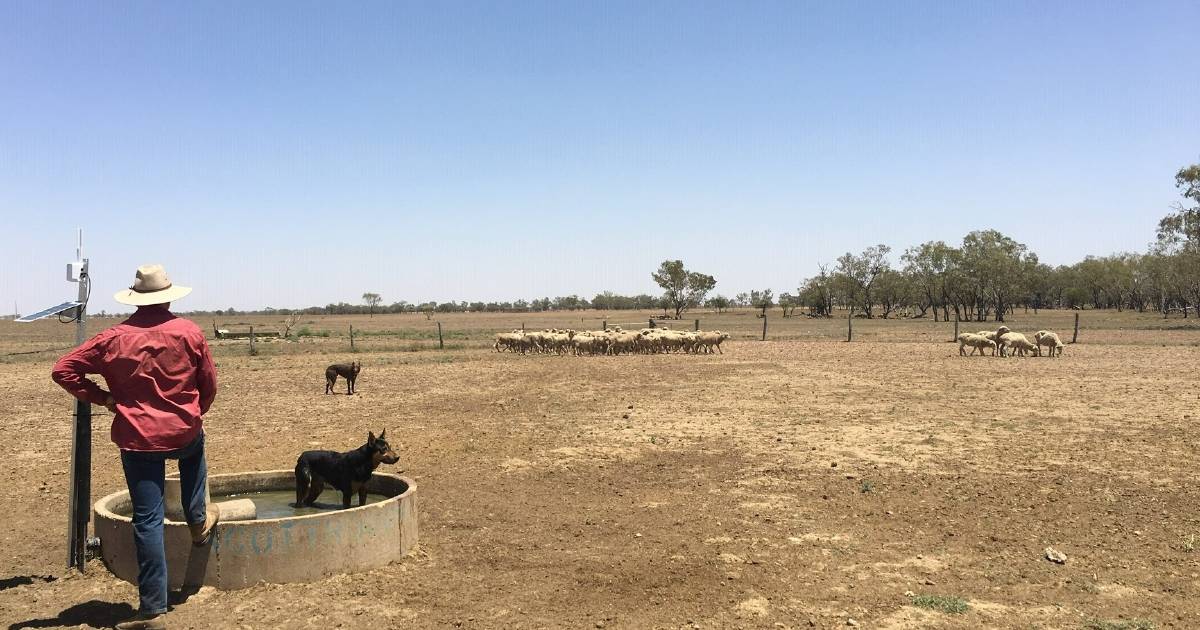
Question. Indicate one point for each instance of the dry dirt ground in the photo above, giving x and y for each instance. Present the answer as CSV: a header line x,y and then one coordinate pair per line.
x,y
792,483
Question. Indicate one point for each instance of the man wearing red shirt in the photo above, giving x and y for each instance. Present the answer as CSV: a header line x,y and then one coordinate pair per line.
x,y
161,381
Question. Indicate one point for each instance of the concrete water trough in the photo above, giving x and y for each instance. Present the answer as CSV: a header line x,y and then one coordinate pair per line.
x,y
283,544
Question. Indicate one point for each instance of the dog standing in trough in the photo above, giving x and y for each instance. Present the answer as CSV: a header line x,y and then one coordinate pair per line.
x,y
348,472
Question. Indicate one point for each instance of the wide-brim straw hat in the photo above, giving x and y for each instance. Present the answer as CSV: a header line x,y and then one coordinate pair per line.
x,y
151,286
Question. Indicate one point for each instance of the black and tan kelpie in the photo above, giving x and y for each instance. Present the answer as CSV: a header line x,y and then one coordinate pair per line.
x,y
348,371
348,472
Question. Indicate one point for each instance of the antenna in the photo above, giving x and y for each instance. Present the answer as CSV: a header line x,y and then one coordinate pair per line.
x,y
81,441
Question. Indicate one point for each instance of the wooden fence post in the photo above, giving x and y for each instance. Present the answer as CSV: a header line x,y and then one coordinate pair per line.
x,y
651,322
955,327
605,326
351,336
441,344
764,337
1075,336
252,349
850,326
697,325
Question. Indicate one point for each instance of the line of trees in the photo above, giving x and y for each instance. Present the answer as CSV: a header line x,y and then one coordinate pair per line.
x,y
990,274
987,275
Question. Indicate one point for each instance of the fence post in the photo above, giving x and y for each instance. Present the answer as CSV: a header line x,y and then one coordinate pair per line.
x,y
850,325
651,322
764,337
351,336
605,326
1075,337
955,327
522,326
697,325
441,344
252,349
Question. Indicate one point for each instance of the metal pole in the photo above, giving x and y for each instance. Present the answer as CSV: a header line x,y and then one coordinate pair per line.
x,y
81,445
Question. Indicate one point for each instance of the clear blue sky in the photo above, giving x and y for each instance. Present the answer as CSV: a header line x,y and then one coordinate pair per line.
x,y
290,154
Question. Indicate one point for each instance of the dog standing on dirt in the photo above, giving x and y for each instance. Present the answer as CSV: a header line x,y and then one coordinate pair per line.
x,y
348,472
348,371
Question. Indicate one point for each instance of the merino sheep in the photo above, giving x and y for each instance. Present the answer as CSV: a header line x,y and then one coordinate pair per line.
x,y
508,341
611,341
585,344
989,334
976,342
1018,343
709,340
1050,340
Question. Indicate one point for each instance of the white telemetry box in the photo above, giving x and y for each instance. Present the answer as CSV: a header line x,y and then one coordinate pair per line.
x,y
74,269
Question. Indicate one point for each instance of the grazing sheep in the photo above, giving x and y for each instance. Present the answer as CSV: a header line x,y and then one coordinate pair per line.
x,y
1050,340
976,342
1019,344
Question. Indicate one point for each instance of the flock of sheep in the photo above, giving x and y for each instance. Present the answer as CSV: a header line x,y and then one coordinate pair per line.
x,y
612,341
1004,340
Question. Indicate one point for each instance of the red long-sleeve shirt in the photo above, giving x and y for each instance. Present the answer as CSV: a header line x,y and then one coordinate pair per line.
x,y
159,372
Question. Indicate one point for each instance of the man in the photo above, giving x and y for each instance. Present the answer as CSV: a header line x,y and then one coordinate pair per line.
x,y
161,381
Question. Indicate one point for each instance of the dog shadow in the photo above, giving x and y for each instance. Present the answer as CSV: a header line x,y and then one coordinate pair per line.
x,y
92,614
23,580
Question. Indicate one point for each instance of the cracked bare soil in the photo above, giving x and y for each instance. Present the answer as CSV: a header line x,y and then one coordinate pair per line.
x,y
789,483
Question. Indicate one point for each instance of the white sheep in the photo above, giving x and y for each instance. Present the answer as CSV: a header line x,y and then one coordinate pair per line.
x,y
976,342
709,340
509,341
1050,340
1019,344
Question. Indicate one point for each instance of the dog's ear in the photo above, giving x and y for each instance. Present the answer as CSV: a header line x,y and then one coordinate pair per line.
x,y
370,437
382,434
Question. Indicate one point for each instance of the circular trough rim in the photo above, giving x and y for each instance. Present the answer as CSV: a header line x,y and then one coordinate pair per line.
x,y
103,511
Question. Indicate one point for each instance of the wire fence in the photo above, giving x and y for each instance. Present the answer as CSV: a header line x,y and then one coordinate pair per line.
x,y
455,331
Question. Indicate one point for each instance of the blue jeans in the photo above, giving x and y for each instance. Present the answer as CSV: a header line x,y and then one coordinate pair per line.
x,y
145,474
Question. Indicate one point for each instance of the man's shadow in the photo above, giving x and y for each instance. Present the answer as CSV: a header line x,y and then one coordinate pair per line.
x,y
98,614
94,614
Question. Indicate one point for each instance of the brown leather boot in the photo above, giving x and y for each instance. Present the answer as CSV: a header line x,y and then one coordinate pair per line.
x,y
202,532
144,622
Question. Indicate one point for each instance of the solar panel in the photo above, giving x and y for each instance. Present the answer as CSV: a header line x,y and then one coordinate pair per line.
x,y
44,313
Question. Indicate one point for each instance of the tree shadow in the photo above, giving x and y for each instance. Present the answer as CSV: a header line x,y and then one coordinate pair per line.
x,y
94,614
